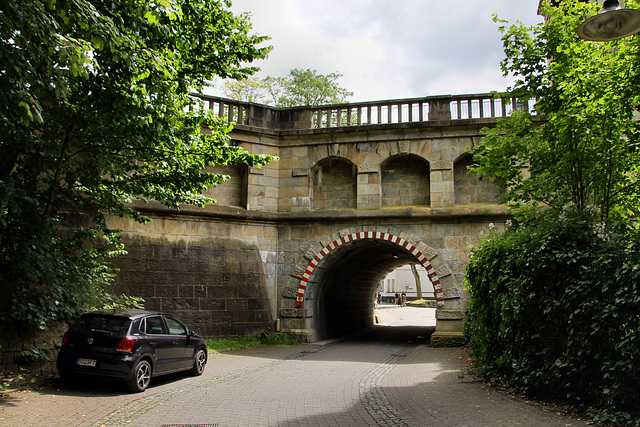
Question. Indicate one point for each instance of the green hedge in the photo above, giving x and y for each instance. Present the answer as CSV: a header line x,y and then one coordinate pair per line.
x,y
554,313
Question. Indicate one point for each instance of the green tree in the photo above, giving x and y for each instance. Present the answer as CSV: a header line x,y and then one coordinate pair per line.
x,y
299,88
580,153
96,112
251,89
553,307
307,87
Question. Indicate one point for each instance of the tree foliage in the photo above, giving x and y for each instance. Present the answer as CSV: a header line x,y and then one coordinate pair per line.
x,y
299,88
95,113
251,89
581,151
554,307
554,312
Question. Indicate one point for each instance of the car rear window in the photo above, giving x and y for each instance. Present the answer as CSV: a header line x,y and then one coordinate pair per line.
x,y
108,324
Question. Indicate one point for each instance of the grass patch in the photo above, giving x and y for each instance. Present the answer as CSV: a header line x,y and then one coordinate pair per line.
x,y
228,344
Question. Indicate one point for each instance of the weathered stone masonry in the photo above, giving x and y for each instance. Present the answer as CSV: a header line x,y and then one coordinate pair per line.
x,y
301,244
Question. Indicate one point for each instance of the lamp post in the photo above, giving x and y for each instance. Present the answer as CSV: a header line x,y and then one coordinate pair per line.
x,y
613,22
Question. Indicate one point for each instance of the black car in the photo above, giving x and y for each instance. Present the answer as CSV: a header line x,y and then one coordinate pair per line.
x,y
132,345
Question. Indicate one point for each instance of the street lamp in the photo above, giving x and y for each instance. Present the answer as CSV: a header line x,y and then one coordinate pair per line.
x,y
611,23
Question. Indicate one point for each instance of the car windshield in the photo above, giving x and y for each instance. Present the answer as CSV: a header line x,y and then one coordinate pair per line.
x,y
106,324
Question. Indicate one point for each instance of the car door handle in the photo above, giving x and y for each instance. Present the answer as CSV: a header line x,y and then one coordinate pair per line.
x,y
152,343
175,343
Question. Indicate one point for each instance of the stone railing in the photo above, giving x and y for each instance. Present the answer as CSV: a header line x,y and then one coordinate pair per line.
x,y
233,111
486,106
413,110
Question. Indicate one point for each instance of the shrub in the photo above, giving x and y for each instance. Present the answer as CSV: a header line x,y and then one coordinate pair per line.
x,y
554,312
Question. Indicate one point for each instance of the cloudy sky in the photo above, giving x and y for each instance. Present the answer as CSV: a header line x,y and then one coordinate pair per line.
x,y
388,49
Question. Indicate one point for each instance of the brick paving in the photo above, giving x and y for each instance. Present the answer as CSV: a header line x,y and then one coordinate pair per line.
x,y
388,377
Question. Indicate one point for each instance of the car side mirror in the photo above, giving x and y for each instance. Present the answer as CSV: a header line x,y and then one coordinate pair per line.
x,y
191,333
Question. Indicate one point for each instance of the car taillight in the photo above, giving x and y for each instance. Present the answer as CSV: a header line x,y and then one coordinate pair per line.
x,y
65,339
126,345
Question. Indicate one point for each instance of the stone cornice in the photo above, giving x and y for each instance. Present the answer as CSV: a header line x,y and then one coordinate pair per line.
x,y
455,213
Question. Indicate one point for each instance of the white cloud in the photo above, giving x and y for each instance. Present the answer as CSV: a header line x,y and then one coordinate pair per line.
x,y
390,49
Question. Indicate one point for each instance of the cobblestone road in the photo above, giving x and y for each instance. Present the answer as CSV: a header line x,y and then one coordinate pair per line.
x,y
388,377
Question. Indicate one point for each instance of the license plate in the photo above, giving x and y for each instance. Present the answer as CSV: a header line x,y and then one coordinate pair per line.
x,y
86,362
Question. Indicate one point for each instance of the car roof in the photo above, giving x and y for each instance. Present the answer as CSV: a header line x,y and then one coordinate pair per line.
x,y
129,313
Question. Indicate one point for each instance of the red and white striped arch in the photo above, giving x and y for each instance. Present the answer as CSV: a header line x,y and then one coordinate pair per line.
x,y
437,287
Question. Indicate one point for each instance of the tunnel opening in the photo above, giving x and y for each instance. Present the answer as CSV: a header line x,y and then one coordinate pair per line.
x,y
346,283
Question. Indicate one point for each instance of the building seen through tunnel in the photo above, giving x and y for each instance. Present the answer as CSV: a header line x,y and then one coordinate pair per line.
x,y
402,279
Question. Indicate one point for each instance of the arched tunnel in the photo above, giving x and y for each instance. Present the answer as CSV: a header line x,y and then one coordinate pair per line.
x,y
345,284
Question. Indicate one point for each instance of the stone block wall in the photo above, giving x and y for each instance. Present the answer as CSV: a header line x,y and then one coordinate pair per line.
x,y
469,189
219,278
405,182
32,351
232,192
334,185
262,183
368,191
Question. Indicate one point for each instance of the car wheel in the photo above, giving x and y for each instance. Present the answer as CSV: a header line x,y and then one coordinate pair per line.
x,y
139,381
199,360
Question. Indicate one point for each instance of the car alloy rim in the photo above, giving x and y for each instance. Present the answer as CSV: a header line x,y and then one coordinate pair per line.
x,y
201,359
143,375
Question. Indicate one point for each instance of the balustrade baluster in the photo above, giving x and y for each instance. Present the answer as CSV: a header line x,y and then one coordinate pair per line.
x,y
378,112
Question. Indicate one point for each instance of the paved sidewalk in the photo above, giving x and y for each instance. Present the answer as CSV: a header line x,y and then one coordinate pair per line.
x,y
392,315
387,377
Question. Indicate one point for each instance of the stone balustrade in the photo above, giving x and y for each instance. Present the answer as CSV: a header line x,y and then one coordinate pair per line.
x,y
233,111
398,111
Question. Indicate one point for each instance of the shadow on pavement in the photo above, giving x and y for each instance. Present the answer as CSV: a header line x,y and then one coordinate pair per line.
x,y
99,387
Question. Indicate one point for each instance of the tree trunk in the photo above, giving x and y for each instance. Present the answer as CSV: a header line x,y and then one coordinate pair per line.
x,y
414,270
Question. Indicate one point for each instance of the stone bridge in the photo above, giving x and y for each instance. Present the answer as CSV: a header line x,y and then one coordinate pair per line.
x,y
301,244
